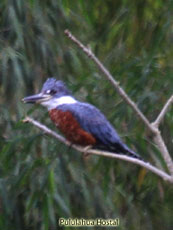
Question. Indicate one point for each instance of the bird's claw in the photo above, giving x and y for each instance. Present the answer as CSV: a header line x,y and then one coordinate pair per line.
x,y
86,154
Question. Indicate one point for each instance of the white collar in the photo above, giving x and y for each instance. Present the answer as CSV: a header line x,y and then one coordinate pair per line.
x,y
54,102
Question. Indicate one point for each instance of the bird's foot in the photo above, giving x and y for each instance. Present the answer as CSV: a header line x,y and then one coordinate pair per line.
x,y
86,154
70,146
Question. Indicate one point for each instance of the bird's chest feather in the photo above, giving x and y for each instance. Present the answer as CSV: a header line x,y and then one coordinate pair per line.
x,y
66,122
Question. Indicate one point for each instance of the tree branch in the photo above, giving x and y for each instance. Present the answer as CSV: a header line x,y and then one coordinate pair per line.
x,y
146,165
152,127
160,117
111,79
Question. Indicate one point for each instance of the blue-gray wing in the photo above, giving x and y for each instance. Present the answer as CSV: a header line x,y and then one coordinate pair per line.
x,y
94,122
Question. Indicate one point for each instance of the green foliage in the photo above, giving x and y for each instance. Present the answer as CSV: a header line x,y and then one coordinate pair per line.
x,y
42,180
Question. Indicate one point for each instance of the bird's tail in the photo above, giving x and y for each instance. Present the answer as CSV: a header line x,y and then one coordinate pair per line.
x,y
119,148
130,152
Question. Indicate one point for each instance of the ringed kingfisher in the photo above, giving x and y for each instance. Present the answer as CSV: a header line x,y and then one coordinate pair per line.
x,y
80,122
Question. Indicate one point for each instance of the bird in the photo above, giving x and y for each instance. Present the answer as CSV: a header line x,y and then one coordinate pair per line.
x,y
81,123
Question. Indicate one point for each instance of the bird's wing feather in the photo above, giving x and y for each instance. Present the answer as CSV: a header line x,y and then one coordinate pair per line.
x,y
94,122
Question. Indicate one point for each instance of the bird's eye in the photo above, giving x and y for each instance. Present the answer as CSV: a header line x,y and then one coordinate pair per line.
x,y
48,91
51,92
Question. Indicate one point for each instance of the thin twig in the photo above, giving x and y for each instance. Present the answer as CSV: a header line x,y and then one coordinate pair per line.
x,y
150,126
163,149
160,117
146,165
111,79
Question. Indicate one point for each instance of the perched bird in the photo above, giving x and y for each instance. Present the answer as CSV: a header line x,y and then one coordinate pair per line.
x,y
80,122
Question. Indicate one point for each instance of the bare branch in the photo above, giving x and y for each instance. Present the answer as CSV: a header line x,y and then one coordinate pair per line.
x,y
152,127
146,165
163,149
160,117
112,80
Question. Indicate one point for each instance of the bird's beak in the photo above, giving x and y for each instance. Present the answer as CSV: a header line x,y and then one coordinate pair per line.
x,y
37,98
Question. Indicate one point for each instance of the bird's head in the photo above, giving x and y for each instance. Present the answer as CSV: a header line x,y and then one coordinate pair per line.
x,y
53,93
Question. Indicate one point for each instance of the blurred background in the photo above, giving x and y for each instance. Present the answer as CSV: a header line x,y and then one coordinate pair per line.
x,y
41,179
